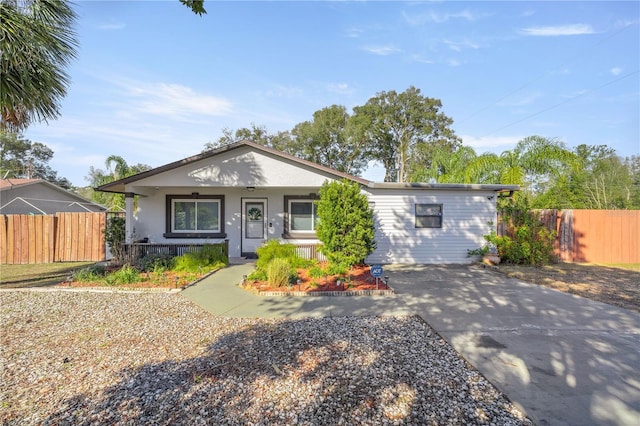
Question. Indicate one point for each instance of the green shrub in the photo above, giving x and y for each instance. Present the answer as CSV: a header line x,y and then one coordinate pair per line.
x,y
337,269
125,275
207,257
92,273
274,249
317,272
528,241
280,273
114,235
346,227
257,275
156,262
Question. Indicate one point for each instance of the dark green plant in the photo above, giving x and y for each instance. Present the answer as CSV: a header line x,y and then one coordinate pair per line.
x,y
257,275
156,262
346,227
280,273
114,235
317,272
125,275
528,241
93,273
207,258
337,269
480,251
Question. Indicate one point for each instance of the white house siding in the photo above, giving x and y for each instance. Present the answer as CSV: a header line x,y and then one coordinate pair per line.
x,y
467,216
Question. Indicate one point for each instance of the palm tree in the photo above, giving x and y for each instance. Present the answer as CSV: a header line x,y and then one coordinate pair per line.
x,y
38,42
532,160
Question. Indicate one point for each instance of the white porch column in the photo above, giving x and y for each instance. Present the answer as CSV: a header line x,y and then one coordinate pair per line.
x,y
128,224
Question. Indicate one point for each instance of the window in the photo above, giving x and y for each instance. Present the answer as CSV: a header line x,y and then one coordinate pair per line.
x,y
301,216
428,215
194,216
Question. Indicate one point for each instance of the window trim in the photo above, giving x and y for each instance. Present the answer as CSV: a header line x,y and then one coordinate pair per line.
x,y
287,232
416,215
170,233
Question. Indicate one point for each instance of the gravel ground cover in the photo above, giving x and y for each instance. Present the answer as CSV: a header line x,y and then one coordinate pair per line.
x,y
155,358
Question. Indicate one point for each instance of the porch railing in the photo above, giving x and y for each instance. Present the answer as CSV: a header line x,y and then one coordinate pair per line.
x,y
135,251
310,251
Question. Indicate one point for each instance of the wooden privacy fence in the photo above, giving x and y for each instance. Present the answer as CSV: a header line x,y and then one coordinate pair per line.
x,y
63,237
595,236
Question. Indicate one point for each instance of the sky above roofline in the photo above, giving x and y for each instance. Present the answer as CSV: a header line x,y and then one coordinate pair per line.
x,y
154,83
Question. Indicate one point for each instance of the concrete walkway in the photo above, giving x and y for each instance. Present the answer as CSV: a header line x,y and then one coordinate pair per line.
x,y
565,360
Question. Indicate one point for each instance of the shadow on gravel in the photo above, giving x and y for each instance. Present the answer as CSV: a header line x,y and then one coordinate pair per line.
x,y
327,371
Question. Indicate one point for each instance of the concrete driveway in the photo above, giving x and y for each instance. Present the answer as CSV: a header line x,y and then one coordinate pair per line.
x,y
565,360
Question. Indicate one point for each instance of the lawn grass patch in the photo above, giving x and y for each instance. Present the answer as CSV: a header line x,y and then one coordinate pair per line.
x,y
39,274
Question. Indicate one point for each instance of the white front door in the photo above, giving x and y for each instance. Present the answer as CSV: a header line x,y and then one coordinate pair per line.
x,y
254,224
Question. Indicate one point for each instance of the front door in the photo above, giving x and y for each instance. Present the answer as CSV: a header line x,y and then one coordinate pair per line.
x,y
254,225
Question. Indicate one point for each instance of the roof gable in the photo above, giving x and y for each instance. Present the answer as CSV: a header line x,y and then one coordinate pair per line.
x,y
37,196
239,164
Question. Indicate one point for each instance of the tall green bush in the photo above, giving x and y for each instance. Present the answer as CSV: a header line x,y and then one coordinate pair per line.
x,y
114,235
346,228
528,241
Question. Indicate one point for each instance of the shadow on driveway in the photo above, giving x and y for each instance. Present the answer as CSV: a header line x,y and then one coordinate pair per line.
x,y
564,359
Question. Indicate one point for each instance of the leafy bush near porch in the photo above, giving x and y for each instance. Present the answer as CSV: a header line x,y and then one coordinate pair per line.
x,y
206,258
274,249
156,262
346,226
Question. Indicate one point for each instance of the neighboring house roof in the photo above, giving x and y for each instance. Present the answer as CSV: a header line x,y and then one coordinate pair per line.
x,y
120,185
10,183
37,196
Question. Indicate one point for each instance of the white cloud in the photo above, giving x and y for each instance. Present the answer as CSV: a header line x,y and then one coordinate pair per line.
x,y
461,44
616,71
454,62
420,58
174,100
560,30
489,143
438,18
354,32
340,88
382,50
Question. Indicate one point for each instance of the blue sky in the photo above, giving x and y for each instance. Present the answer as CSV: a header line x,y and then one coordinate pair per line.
x,y
154,83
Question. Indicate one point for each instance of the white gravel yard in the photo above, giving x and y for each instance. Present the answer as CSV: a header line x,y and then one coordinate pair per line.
x,y
156,358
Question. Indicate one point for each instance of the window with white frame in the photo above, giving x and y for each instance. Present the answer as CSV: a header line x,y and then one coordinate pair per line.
x,y
196,216
428,216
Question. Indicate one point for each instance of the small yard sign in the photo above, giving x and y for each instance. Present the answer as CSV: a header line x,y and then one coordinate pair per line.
x,y
376,271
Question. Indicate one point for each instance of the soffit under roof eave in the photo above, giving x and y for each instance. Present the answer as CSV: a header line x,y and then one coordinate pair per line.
x,y
444,186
